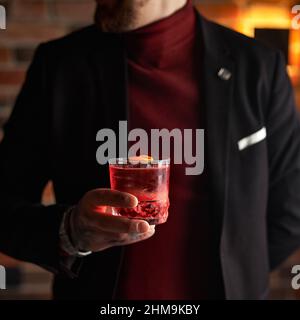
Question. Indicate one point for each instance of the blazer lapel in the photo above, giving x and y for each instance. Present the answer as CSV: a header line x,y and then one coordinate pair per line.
x,y
108,69
110,73
218,74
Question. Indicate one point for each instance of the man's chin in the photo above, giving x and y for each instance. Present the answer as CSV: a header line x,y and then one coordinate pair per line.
x,y
116,20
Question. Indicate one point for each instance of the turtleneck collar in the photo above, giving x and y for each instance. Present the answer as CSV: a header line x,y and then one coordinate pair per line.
x,y
155,45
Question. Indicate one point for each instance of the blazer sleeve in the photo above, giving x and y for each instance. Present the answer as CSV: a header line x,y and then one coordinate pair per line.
x,y
283,127
29,231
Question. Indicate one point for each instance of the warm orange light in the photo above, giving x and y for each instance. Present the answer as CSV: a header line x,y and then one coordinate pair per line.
x,y
270,16
295,48
246,17
264,16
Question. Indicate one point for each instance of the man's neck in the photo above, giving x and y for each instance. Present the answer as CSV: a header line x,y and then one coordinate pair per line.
x,y
157,10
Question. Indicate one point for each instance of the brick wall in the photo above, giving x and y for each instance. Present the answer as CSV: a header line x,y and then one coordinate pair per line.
x,y
33,21
30,22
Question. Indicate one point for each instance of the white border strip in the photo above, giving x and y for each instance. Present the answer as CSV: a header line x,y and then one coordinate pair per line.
x,y
252,139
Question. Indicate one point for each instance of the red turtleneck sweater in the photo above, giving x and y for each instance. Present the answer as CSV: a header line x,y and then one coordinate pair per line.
x,y
164,79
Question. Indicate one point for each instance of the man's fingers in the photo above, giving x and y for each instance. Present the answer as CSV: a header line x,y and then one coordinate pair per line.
x,y
113,198
98,204
118,224
137,237
99,241
127,239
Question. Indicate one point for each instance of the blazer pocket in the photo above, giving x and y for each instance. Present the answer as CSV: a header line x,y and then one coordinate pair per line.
x,y
254,138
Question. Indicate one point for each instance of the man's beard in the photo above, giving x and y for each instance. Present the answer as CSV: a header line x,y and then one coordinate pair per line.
x,y
117,15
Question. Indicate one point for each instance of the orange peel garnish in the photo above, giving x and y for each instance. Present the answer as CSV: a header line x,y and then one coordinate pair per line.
x,y
141,159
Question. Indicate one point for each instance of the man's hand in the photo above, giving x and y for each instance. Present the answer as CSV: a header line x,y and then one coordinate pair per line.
x,y
92,227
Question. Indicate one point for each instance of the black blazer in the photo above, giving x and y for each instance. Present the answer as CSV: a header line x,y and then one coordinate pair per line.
x,y
77,85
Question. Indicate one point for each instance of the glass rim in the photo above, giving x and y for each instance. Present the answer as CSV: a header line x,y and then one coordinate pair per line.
x,y
124,161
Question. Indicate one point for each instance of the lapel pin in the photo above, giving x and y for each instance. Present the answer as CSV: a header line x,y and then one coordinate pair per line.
x,y
224,74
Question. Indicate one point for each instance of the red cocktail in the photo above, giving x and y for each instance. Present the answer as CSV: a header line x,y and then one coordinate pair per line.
x,y
148,180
